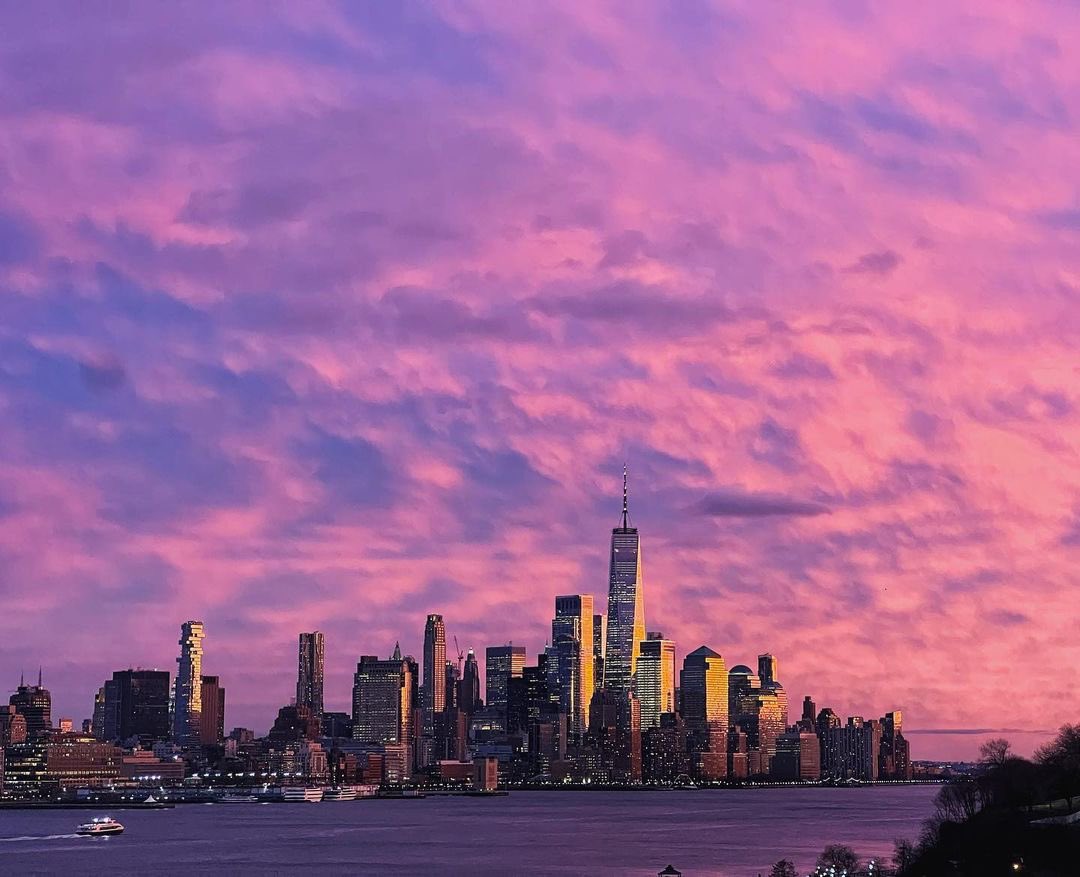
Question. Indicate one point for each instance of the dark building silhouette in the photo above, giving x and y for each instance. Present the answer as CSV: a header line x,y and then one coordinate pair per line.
x,y
469,699
212,718
34,704
136,705
293,725
503,664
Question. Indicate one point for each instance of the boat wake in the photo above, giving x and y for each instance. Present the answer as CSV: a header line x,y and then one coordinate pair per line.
x,y
30,837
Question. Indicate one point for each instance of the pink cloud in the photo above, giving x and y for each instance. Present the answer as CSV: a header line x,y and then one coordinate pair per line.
x,y
356,317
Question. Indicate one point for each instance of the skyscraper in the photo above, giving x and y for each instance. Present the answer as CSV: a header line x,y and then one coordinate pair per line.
x,y
434,693
626,604
703,690
656,679
503,664
572,645
137,705
212,719
743,686
469,700
599,633
187,698
768,670
34,704
309,674
382,712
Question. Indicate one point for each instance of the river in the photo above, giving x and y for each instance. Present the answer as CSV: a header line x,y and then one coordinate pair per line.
x,y
731,833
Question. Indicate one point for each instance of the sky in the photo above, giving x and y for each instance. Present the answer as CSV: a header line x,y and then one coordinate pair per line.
x,y
330,316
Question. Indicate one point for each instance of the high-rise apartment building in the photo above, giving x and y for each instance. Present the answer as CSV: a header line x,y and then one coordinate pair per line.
x,y
309,673
212,718
626,604
572,646
503,664
434,693
656,679
187,696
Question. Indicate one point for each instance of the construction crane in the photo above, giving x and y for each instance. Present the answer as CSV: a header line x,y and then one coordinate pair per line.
x,y
460,656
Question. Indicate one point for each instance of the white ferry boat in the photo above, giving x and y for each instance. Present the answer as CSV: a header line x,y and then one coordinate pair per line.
x,y
340,793
302,793
100,826
238,799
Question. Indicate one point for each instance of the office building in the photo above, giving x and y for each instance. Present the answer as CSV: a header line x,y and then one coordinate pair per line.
x,y
656,679
136,706
703,690
599,649
212,718
626,605
468,692
381,700
572,649
34,704
503,663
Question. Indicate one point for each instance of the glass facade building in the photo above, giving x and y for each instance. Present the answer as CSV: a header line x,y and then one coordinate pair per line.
x,y
572,647
626,605
703,691
503,663
656,679
434,693
136,704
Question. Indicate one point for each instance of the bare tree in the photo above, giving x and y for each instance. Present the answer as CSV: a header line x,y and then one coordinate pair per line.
x,y
904,855
1061,758
840,857
783,868
995,752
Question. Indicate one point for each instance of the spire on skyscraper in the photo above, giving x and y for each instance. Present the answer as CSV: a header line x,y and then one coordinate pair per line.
x,y
39,676
397,651
625,500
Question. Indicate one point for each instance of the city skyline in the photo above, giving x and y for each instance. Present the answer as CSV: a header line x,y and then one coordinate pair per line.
x,y
355,316
574,621
383,688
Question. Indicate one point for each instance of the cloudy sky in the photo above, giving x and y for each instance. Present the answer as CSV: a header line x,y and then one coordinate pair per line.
x,y
332,316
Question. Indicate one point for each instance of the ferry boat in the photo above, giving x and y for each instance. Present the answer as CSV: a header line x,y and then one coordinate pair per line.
x,y
340,793
100,826
238,799
302,793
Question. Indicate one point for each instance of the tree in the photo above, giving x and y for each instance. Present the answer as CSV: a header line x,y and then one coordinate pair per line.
x,y
783,868
904,856
839,857
995,753
1061,758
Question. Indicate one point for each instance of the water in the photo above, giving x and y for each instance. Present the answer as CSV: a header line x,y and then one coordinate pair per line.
x,y
733,833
